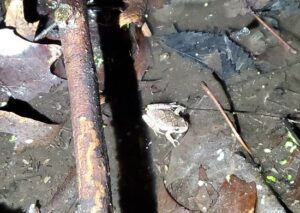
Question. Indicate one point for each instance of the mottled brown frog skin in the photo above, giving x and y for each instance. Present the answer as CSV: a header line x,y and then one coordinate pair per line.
x,y
165,119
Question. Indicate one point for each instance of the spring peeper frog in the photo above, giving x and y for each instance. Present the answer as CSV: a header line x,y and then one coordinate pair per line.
x,y
165,119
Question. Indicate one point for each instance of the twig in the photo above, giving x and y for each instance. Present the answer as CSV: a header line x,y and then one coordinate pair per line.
x,y
285,44
218,105
44,33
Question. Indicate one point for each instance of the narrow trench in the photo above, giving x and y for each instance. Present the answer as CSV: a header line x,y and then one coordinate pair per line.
x,y
136,180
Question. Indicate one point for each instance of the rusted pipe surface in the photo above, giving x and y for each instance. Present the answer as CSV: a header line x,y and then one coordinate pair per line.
x,y
90,149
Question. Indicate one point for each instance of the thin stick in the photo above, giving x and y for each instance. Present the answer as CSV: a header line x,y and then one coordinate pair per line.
x,y
44,33
285,44
218,105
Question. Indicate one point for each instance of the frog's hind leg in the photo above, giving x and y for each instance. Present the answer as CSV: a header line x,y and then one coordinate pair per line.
x,y
152,125
173,141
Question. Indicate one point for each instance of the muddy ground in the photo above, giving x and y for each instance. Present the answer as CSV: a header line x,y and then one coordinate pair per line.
x,y
259,99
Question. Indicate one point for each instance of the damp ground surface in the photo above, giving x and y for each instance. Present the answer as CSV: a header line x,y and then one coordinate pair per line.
x,y
262,100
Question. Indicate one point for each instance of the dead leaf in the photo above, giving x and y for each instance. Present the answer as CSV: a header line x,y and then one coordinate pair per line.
x,y
24,131
25,67
165,203
236,196
133,13
15,18
142,53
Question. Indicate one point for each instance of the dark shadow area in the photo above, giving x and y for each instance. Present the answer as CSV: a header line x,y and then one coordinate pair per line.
x,y
279,199
254,24
5,209
24,109
30,11
136,183
231,104
39,11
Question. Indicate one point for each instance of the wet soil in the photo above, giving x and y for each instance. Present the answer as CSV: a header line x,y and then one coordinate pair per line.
x,y
260,98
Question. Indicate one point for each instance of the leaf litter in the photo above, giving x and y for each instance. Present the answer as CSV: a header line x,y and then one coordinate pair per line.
x,y
224,186
202,47
24,73
236,196
199,167
24,131
25,67
15,18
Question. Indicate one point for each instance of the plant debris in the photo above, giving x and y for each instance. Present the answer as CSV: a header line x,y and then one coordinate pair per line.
x,y
202,47
219,107
25,67
15,18
24,131
236,196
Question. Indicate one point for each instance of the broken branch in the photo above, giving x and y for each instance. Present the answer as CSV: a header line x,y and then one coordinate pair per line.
x,y
228,121
283,42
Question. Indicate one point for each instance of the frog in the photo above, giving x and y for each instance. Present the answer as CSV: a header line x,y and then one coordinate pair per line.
x,y
166,119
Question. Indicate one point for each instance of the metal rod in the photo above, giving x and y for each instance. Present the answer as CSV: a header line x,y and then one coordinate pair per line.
x,y
90,149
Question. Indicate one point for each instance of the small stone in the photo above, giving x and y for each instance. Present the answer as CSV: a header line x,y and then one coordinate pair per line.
x,y
25,162
259,187
3,104
46,179
201,183
28,141
164,57
46,161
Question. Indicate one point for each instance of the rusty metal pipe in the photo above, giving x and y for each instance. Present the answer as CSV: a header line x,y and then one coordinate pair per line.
x,y
90,148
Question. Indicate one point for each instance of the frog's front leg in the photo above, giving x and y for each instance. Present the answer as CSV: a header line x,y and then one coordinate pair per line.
x,y
178,109
171,139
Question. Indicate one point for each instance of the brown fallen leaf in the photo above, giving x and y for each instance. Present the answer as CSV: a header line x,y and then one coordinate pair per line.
x,y
15,18
165,203
25,67
236,196
134,13
24,131
136,10
142,53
